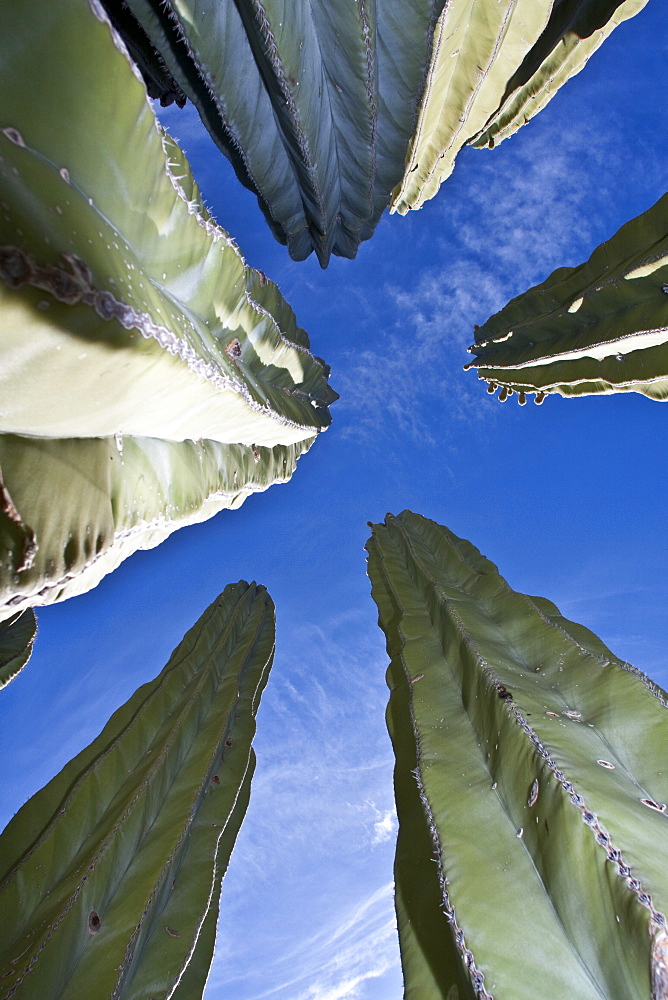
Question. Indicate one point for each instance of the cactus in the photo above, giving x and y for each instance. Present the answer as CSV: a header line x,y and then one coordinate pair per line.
x,y
110,875
530,783
349,107
494,66
17,635
599,327
320,128
127,315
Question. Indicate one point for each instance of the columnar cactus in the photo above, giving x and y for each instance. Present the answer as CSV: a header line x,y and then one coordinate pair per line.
x,y
345,100
599,327
110,875
137,347
530,781
494,66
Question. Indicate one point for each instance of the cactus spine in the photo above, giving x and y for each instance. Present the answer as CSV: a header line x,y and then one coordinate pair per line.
x,y
530,784
599,327
110,875
136,344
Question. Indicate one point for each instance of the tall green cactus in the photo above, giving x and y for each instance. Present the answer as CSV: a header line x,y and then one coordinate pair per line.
x,y
494,66
110,875
350,105
530,781
599,327
137,348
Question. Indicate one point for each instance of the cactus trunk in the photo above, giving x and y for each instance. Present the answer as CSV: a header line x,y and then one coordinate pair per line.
x,y
111,874
599,327
127,315
530,783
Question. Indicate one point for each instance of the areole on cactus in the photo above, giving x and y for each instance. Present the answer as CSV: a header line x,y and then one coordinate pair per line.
x,y
110,876
530,783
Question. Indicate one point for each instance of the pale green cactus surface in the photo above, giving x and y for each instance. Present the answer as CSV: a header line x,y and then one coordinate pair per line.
x,y
17,635
531,786
494,66
348,106
110,876
154,375
599,327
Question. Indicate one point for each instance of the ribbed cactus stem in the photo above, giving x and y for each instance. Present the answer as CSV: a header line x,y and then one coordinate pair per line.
x,y
110,875
599,327
530,784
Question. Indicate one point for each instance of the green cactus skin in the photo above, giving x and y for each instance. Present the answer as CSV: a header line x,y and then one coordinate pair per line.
x,y
114,496
125,312
17,635
495,64
599,327
110,875
320,128
530,782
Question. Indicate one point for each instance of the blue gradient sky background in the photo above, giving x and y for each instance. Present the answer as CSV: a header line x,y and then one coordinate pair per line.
x,y
569,499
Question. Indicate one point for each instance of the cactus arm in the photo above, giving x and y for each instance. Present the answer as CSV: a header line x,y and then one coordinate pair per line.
x,y
114,496
111,873
476,48
514,721
570,39
17,636
599,327
116,271
493,67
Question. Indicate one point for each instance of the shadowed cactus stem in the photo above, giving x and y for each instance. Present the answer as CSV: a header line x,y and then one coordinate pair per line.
x,y
531,786
110,875
17,635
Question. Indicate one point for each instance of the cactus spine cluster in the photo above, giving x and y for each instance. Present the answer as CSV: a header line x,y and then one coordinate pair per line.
x,y
530,784
110,875
599,327
145,370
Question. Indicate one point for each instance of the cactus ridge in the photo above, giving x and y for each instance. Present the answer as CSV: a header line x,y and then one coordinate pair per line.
x,y
527,737
125,849
598,327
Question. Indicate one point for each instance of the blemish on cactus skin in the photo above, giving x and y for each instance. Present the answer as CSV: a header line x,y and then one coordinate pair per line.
x,y
656,806
14,136
533,794
171,931
94,922
606,763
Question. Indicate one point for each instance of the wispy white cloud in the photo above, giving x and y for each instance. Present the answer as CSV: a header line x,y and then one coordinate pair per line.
x,y
540,202
309,883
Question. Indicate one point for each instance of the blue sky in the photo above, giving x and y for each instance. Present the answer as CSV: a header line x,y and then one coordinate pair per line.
x,y
569,499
